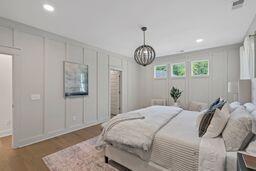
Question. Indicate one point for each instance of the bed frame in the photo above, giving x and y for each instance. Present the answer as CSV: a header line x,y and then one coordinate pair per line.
x,y
129,160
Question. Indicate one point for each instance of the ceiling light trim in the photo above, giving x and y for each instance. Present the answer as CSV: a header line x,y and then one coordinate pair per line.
x,y
199,40
48,8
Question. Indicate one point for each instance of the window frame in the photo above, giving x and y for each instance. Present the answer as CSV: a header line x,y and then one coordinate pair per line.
x,y
200,60
171,67
154,72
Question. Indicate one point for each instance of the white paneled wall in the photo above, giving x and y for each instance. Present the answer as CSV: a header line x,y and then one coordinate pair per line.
x,y
90,101
103,88
55,53
133,86
39,73
6,36
198,87
74,105
6,95
32,73
224,67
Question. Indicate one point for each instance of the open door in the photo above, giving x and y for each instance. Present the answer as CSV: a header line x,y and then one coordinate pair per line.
x,y
115,83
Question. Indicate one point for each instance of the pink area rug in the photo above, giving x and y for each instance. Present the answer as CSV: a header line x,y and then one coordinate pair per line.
x,y
80,157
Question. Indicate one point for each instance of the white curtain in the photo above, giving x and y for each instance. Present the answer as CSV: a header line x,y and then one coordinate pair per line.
x,y
244,65
247,59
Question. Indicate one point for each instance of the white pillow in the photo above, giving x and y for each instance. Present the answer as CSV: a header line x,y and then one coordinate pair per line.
x,y
218,122
249,107
233,106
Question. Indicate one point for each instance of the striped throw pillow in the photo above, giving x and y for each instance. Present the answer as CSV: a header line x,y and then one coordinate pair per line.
x,y
206,120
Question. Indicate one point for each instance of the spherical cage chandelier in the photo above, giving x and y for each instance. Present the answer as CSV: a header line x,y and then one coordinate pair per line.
x,y
145,54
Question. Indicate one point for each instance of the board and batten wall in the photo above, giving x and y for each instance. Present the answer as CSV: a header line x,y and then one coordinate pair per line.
x,y
223,68
5,95
41,111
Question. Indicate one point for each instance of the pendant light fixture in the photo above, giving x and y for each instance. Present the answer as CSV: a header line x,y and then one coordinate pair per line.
x,y
145,54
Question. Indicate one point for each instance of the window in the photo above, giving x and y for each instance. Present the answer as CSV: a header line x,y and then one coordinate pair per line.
x,y
178,70
160,71
200,68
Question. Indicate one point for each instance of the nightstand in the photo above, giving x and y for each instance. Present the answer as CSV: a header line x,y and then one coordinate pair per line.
x,y
240,163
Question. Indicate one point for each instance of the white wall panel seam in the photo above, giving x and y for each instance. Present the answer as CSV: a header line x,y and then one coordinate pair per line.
x,y
44,86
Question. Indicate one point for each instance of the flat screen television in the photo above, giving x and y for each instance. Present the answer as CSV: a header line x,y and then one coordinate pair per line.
x,y
75,79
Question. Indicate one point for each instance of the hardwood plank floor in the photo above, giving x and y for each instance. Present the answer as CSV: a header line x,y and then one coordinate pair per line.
x,y
29,158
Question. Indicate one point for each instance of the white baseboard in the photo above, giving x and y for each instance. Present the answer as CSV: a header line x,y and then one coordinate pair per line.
x,y
4,133
40,138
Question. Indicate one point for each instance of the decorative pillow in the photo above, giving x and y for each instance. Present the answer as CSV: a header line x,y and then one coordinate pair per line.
x,y
251,148
199,117
207,117
233,106
215,103
249,107
237,130
254,122
197,106
246,141
218,122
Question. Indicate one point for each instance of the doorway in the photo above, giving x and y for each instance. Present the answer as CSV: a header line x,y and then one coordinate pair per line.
x,y
6,95
115,88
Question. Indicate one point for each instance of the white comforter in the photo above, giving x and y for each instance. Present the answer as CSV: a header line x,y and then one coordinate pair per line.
x,y
176,144
138,133
212,155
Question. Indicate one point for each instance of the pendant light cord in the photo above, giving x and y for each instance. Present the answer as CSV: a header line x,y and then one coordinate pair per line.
x,y
144,30
144,37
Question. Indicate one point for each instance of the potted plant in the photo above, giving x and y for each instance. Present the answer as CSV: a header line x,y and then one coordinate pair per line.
x,y
175,94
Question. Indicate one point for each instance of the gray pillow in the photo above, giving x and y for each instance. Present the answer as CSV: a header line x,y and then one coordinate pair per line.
x,y
207,117
254,122
218,122
252,146
238,129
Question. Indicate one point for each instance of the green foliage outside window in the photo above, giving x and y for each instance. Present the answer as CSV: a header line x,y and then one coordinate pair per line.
x,y
200,68
160,71
178,70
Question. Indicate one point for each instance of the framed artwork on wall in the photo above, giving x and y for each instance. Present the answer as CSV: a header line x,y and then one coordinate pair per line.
x,y
75,79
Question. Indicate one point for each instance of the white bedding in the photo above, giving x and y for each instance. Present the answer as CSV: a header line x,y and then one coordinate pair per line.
x,y
177,147
140,133
212,155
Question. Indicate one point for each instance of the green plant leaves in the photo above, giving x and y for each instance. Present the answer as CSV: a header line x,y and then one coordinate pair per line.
x,y
175,93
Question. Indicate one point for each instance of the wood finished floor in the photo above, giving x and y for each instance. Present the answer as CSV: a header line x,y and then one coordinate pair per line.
x,y
29,158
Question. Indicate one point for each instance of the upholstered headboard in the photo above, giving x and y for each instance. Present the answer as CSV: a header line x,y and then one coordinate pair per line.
x,y
253,90
245,91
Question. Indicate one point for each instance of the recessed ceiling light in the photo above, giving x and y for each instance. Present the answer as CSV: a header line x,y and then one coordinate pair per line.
x,y
199,40
48,7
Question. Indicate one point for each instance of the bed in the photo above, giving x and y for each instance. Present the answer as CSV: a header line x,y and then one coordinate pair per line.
x,y
171,144
160,138
175,143
174,146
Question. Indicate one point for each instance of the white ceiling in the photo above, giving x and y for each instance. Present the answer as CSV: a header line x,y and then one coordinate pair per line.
x,y
115,24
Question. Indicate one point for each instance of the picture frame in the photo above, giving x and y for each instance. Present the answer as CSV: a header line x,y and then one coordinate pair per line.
x,y
75,79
